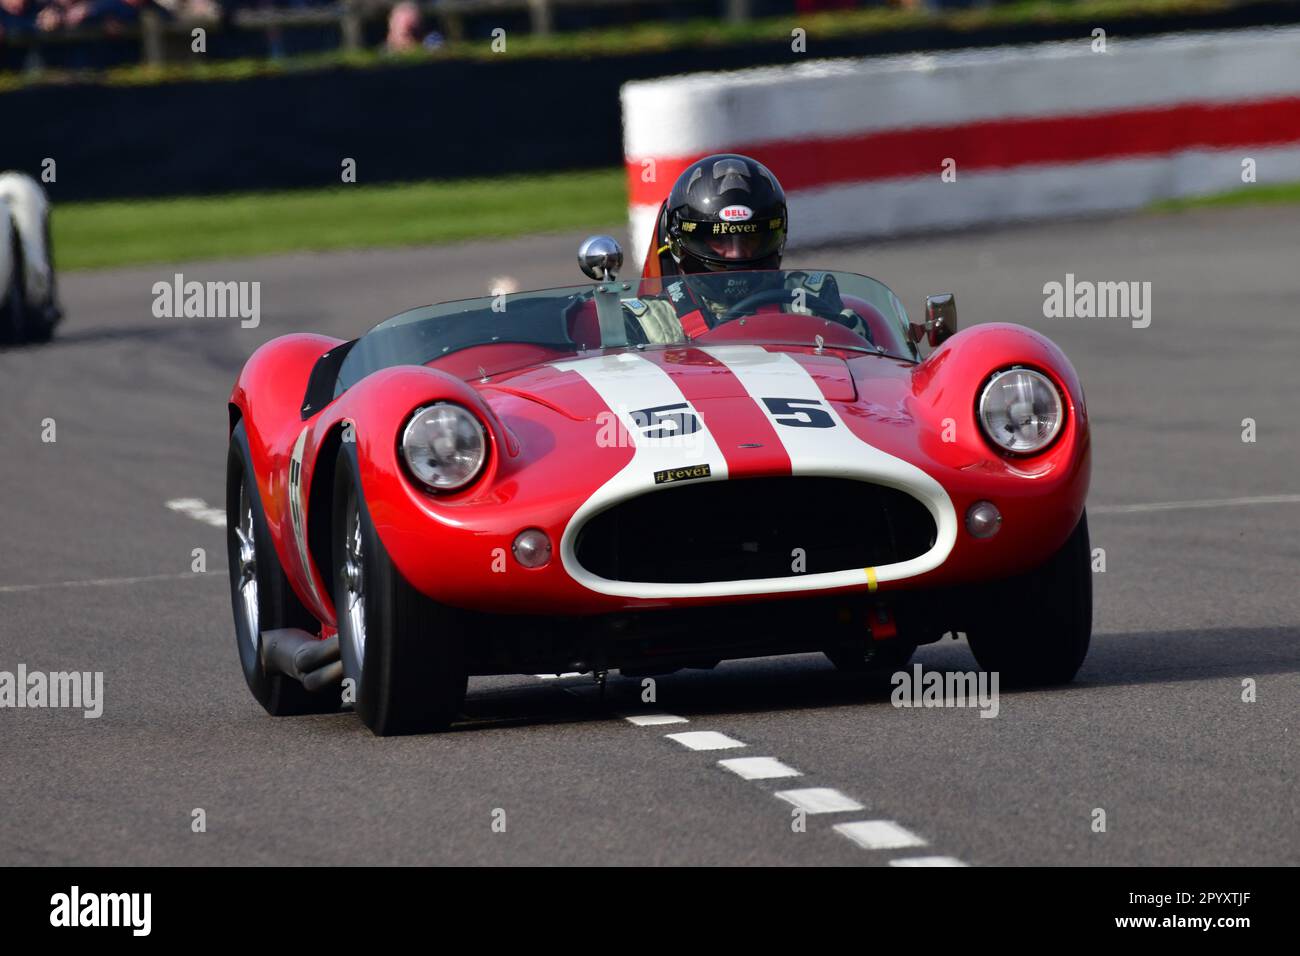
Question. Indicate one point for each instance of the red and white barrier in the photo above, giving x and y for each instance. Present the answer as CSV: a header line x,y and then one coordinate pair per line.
x,y
1033,132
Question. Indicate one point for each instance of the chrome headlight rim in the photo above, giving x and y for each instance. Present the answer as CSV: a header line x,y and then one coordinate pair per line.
x,y
446,487
1053,388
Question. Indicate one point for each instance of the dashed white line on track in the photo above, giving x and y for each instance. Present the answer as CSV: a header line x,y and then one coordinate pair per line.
x,y
759,768
705,740
928,861
819,800
867,834
879,835
199,510
1194,504
106,582
654,720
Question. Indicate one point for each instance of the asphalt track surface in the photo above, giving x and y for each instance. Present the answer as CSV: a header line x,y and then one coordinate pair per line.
x,y
1193,601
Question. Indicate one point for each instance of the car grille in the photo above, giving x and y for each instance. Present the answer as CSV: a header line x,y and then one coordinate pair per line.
x,y
749,529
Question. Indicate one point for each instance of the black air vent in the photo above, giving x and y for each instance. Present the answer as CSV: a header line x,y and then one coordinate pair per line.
x,y
749,528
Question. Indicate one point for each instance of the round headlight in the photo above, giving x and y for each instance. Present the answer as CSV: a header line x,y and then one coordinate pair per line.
x,y
1021,410
444,446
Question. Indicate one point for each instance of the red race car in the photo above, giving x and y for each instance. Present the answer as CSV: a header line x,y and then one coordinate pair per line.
x,y
648,475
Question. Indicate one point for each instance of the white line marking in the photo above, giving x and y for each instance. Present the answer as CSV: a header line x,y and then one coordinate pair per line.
x,y
705,740
1202,503
928,861
759,768
654,720
199,510
819,800
879,834
558,676
106,582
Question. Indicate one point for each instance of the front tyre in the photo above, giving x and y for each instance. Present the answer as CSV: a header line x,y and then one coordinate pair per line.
x,y
1034,629
403,652
260,593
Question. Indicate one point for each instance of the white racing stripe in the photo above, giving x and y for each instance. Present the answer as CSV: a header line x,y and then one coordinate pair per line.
x,y
835,451
778,375
705,740
819,800
879,835
628,382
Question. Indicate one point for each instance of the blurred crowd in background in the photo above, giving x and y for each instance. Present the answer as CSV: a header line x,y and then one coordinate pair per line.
x,y
19,18
408,26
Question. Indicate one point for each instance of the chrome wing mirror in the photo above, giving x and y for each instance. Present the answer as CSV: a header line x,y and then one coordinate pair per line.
x,y
940,320
601,258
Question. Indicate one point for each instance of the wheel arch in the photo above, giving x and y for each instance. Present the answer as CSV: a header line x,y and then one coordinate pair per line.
x,y
320,503
268,394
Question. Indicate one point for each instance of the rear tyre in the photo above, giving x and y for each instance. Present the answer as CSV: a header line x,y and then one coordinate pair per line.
x,y
260,593
13,307
404,653
41,320
40,324
1034,630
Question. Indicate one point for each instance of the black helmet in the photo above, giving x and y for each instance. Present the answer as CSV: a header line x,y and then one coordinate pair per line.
x,y
725,212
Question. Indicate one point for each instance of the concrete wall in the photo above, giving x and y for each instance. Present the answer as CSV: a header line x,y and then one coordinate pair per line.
x,y
1034,132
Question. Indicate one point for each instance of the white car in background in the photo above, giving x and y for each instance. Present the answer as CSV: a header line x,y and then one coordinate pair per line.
x,y
29,309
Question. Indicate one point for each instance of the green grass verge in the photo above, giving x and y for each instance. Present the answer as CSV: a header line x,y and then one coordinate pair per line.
x,y
1255,195
669,35
118,233
107,234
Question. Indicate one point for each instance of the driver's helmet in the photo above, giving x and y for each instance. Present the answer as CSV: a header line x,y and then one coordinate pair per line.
x,y
726,213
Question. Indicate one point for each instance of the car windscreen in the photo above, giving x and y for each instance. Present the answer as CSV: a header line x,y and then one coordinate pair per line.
x,y
431,332
655,311
858,303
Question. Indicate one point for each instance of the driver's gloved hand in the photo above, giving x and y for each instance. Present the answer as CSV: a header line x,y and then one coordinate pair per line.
x,y
855,323
826,288
820,284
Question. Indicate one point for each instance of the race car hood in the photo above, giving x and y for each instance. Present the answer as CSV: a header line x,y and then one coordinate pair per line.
x,y
663,416
701,375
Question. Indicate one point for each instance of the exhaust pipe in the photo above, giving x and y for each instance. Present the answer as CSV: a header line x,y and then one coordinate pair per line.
x,y
327,676
304,657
